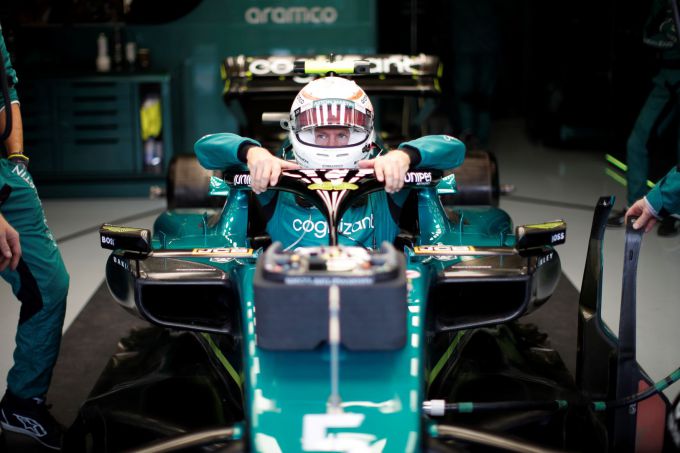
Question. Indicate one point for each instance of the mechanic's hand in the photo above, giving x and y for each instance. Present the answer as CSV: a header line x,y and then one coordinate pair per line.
x,y
643,212
265,168
10,248
390,168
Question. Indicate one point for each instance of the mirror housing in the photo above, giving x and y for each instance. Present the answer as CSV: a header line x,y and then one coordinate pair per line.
x,y
447,185
539,235
218,187
129,239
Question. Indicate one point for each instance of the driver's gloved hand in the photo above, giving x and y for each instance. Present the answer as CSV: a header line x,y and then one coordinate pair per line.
x,y
19,159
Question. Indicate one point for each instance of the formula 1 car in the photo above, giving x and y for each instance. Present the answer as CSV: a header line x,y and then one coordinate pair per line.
x,y
337,348
412,346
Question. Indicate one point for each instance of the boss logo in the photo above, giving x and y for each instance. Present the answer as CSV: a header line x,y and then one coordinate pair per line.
x,y
243,179
557,237
108,241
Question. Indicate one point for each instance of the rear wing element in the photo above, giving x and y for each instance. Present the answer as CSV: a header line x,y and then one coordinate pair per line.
x,y
399,74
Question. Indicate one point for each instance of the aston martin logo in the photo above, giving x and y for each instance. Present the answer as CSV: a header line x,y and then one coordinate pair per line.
x,y
334,184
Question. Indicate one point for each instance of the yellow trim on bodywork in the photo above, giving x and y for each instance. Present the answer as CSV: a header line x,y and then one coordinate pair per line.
x,y
120,229
333,185
444,358
545,226
323,67
223,360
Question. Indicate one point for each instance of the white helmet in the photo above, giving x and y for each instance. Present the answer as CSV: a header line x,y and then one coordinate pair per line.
x,y
324,105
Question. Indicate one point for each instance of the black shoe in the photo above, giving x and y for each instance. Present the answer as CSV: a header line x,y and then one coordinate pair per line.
x,y
668,227
32,418
616,218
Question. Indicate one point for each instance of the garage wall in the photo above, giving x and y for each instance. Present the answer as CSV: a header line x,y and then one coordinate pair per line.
x,y
192,48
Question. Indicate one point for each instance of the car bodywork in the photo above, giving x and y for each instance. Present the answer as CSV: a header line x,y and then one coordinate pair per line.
x,y
345,349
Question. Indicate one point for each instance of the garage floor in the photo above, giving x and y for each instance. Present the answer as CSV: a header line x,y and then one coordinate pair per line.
x,y
549,183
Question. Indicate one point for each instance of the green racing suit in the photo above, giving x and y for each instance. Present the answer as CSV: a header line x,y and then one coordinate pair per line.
x,y
366,224
660,110
40,281
664,198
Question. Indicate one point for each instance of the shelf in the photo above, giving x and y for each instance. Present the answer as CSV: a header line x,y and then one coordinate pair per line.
x,y
87,128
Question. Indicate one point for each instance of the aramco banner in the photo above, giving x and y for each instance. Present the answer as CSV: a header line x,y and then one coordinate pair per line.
x,y
322,15
284,27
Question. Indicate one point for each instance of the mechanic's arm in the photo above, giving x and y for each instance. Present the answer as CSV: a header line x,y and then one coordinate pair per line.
x,y
10,247
15,142
661,201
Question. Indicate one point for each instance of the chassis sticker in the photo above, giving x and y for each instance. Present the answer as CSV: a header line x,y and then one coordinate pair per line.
x,y
441,249
334,184
412,274
231,251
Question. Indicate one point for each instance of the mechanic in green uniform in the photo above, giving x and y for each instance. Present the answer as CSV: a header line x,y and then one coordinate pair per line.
x,y
32,265
331,126
662,201
660,111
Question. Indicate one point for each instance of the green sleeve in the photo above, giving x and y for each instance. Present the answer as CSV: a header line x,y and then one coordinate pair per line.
x,y
440,152
220,151
665,196
11,73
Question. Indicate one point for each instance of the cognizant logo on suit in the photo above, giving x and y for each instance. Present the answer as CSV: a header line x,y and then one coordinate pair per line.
x,y
291,15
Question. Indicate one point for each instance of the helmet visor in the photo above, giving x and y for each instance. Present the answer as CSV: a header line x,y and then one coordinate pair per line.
x,y
332,123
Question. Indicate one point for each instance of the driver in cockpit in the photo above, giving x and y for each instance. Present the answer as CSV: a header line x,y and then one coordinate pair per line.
x,y
331,125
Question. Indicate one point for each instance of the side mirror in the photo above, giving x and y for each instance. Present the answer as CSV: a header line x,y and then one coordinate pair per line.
x,y
129,239
447,185
539,235
218,187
